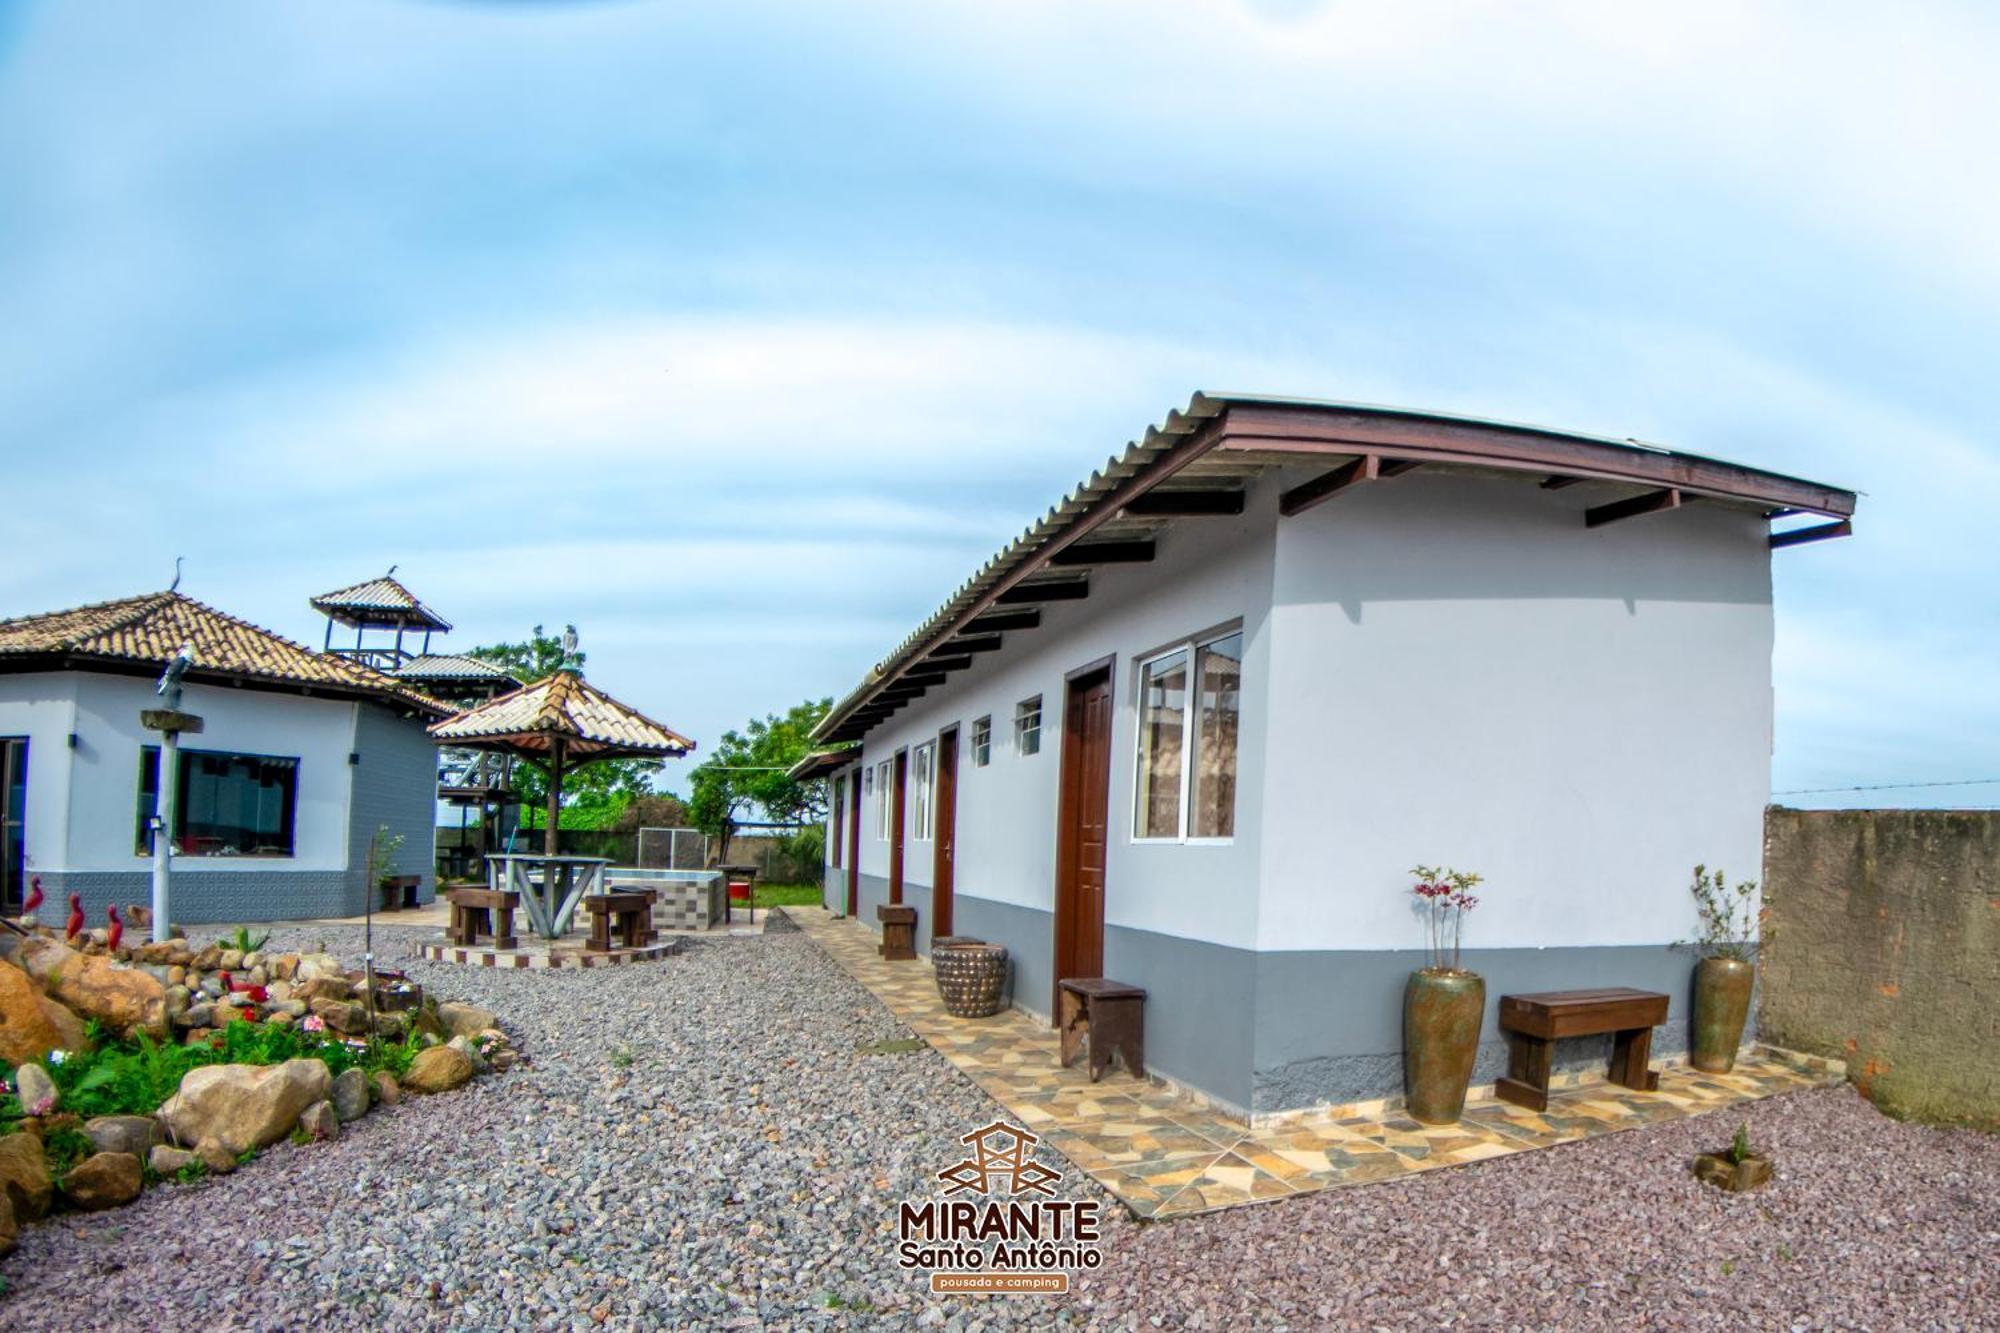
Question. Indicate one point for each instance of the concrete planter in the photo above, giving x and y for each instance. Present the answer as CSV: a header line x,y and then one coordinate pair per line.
x,y
1721,1008
1753,1172
1442,1014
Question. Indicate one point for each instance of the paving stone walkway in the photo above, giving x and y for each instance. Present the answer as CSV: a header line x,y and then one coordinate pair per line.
x,y
1165,1155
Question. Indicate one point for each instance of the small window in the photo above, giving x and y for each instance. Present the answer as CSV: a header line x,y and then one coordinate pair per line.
x,y
982,742
1028,726
224,804
868,781
1189,703
923,765
882,801
839,821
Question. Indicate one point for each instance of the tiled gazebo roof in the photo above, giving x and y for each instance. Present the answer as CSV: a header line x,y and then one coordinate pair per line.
x,y
379,602
565,707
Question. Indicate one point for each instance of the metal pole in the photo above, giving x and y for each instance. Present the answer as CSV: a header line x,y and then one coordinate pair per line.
x,y
163,832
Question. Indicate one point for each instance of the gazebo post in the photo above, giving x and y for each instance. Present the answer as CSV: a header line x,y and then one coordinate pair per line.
x,y
557,747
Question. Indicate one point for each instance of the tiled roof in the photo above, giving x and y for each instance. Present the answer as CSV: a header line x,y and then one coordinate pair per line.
x,y
589,721
451,666
376,602
151,629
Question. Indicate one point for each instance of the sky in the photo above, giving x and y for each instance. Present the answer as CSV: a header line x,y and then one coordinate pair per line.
x,y
739,335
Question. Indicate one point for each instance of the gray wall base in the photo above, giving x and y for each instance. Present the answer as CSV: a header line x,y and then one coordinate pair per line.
x,y
201,897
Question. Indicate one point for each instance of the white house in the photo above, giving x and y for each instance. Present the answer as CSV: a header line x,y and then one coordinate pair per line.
x,y
303,756
1193,729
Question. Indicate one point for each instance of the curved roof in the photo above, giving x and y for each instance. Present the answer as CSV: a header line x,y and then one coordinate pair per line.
x,y
563,707
148,631
1220,441
381,601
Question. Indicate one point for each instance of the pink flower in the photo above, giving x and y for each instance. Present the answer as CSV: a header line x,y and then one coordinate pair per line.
x,y
314,1023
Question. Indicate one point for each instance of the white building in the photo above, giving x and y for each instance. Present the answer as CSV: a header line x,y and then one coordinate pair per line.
x,y
303,756
1387,638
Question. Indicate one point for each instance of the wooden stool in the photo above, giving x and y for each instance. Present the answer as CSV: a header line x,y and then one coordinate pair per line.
x,y
899,931
473,913
1533,1024
399,891
629,910
1111,1015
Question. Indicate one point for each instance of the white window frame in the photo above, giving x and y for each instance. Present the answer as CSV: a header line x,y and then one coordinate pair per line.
x,y
1192,647
883,800
982,741
923,774
1020,711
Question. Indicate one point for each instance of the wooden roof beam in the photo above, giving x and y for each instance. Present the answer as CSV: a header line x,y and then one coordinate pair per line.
x,y
994,622
945,663
971,643
1104,553
1184,504
1652,502
1073,591
1817,533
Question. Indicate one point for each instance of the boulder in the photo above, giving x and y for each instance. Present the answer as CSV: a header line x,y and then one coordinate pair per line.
x,y
387,1090
215,1157
36,1090
439,1069
167,1160
342,1016
320,1121
394,1026
349,1095
284,966
28,1030
103,1180
124,999
208,959
465,1020
323,988
465,1047
319,965
24,1176
10,1229
231,960
133,1134
243,1106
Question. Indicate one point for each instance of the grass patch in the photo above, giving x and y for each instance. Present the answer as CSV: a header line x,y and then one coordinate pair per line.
x,y
787,895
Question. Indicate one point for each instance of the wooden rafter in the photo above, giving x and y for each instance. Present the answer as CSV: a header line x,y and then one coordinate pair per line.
x,y
1185,504
1072,590
1817,533
1104,553
994,622
1651,502
1329,484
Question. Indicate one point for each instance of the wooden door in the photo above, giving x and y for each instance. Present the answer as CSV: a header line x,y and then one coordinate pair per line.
x,y
902,783
944,817
854,845
1083,827
13,822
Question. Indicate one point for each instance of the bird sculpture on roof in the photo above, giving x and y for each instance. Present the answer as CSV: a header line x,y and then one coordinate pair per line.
x,y
169,687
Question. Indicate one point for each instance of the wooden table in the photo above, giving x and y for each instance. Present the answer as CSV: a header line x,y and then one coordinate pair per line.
x,y
1111,1015
1534,1023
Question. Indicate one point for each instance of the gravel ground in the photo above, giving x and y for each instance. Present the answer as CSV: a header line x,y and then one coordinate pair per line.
x,y
703,1143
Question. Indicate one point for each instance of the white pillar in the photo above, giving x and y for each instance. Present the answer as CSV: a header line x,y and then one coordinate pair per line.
x,y
163,828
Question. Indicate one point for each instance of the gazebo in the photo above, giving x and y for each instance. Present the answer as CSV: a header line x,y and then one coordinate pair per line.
x,y
560,723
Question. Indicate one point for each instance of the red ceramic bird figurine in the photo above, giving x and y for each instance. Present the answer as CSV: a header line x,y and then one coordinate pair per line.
x,y
34,896
117,931
75,917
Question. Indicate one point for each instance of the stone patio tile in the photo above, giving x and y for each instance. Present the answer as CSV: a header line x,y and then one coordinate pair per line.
x,y
1226,1182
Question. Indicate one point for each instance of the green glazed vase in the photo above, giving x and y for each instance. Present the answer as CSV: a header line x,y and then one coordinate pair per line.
x,y
1442,1013
1721,1008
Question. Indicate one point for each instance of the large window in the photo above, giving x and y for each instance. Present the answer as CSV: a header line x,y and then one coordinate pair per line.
x,y
224,804
923,767
1189,702
1028,726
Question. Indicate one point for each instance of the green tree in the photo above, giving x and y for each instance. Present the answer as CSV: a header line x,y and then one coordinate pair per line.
x,y
599,792
746,773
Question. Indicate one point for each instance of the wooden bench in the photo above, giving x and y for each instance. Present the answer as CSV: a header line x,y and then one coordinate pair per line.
x,y
1534,1023
1111,1015
627,911
489,912
400,891
899,931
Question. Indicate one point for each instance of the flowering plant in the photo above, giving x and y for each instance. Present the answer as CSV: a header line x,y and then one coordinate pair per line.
x,y
1729,917
1444,896
313,1023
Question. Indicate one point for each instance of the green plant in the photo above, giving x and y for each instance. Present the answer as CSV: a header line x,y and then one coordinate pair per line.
x,y
243,942
191,1172
1728,1267
64,1148
1728,916
382,851
622,1057
1739,1147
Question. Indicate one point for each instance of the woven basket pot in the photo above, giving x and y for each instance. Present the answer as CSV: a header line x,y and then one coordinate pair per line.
x,y
970,978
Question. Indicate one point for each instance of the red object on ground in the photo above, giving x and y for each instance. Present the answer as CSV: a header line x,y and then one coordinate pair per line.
x,y
739,890
117,931
34,895
75,917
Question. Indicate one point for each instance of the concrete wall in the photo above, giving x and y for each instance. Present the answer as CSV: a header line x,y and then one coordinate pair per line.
x,y
394,786
1884,951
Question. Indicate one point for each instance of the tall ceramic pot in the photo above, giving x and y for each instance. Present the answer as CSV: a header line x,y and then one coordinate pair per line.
x,y
1442,1013
1721,1008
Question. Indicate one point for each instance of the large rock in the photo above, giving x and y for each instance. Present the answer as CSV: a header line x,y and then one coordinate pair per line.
x,y
10,1229
24,1176
387,1090
465,1020
167,1160
32,1025
36,1090
243,1106
439,1069
349,1095
215,1156
123,998
133,1134
323,988
103,1180
344,1017
320,1121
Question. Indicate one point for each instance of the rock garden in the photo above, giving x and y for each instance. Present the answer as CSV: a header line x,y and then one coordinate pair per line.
x,y
167,1062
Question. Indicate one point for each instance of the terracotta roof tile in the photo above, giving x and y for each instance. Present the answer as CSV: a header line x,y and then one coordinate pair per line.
x,y
564,705
377,601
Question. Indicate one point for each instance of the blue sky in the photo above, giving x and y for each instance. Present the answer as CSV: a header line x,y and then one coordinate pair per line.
x,y
740,334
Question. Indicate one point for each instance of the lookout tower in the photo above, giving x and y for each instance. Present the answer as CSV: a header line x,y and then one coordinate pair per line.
x,y
386,609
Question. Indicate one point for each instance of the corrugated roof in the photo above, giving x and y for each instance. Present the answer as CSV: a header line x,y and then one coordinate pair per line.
x,y
381,601
589,721
1206,447
822,762
150,630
